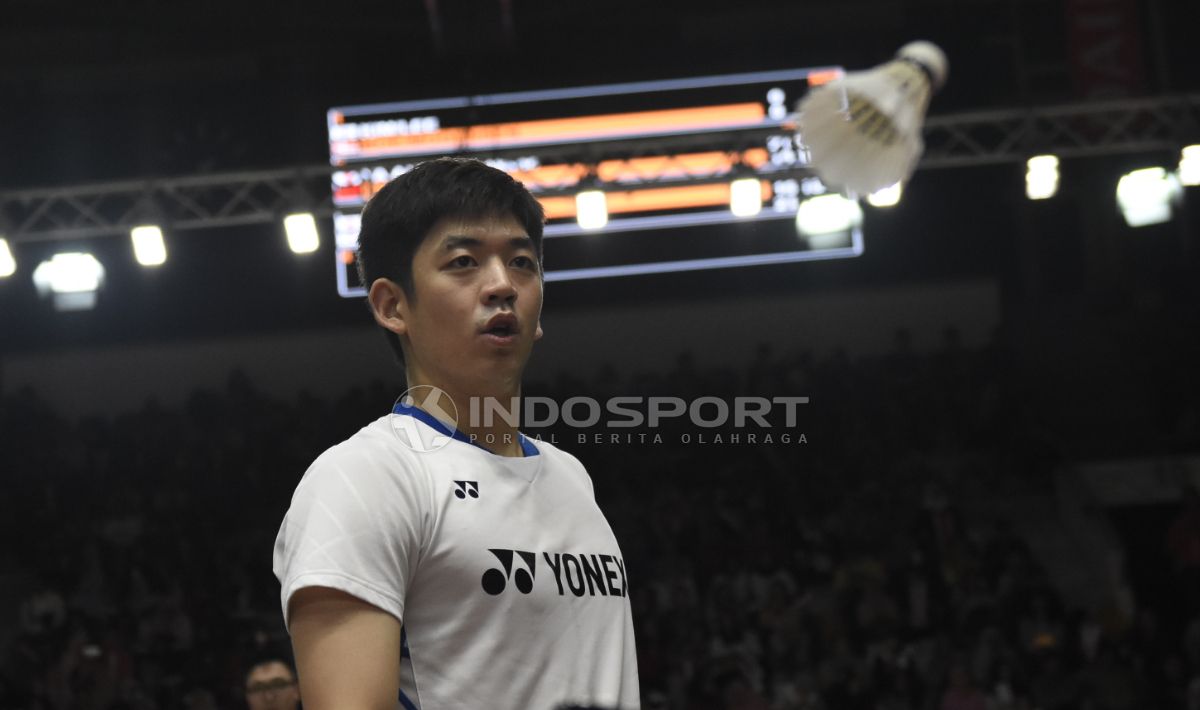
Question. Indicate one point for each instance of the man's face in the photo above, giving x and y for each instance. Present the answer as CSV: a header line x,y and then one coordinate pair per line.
x,y
271,686
477,303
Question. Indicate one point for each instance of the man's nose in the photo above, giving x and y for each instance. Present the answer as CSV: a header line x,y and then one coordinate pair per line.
x,y
499,285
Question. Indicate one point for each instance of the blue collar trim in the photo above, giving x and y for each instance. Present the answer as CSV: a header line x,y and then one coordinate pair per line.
x,y
527,446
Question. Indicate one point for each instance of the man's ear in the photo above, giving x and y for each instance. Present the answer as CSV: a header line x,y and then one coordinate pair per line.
x,y
388,304
537,334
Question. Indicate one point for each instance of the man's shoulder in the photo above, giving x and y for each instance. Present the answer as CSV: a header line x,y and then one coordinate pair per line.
x,y
371,450
370,438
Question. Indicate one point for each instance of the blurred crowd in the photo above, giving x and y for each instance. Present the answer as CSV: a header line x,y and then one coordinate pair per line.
x,y
848,568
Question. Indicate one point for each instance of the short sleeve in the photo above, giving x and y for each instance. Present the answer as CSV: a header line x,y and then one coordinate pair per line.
x,y
356,524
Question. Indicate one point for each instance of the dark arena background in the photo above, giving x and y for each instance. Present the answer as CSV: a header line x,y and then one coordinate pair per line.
x,y
989,500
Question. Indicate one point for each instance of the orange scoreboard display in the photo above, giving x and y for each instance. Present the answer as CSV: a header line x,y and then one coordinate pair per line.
x,y
664,154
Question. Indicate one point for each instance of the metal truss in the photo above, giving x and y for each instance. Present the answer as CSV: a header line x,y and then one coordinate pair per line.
x,y
237,198
1068,131
215,200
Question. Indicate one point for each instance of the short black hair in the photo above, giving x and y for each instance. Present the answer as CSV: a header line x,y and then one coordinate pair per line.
x,y
397,219
283,659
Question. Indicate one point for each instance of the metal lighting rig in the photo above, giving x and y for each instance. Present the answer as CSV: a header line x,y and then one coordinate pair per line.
x,y
264,196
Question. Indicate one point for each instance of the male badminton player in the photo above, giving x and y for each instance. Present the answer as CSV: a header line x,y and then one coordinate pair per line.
x,y
432,561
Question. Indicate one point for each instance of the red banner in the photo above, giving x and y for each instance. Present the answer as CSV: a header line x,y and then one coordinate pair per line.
x,y
1105,42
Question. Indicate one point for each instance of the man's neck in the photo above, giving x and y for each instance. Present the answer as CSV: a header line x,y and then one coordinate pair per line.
x,y
489,420
492,421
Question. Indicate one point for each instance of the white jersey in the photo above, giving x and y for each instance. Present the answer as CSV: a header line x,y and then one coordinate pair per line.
x,y
505,575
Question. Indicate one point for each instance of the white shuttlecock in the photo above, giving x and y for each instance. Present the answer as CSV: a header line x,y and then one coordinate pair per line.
x,y
863,131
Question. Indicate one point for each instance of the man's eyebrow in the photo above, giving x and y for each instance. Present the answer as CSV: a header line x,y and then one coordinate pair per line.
x,y
457,241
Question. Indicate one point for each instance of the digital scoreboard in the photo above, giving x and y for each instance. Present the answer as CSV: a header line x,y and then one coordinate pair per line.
x,y
663,153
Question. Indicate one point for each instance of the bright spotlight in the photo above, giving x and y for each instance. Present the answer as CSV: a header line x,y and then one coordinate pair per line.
x,y
1146,195
301,229
591,209
1041,177
71,279
8,265
827,214
148,246
745,197
1189,166
887,197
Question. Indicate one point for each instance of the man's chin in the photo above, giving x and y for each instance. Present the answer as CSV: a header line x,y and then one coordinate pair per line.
x,y
500,367
518,350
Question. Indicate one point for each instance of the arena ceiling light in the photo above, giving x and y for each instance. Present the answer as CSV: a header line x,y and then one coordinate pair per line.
x,y
591,209
1041,177
1146,196
301,230
827,214
8,265
71,279
745,197
148,246
887,197
1189,166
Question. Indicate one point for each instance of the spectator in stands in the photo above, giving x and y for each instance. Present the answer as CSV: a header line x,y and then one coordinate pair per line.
x,y
1183,546
786,575
271,685
962,693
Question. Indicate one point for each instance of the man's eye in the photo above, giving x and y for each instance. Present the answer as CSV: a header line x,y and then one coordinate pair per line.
x,y
462,261
523,262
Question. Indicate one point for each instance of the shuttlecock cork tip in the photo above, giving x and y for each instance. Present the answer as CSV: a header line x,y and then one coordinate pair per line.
x,y
930,57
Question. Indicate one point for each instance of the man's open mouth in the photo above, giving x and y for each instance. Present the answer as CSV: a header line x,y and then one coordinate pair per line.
x,y
502,325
